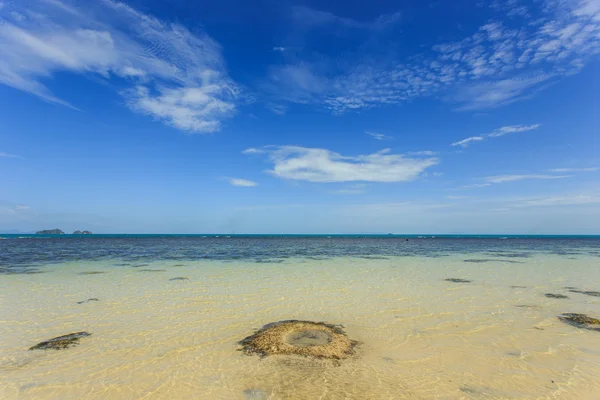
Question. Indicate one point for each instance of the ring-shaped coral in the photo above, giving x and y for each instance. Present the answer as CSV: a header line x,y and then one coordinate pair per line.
x,y
304,338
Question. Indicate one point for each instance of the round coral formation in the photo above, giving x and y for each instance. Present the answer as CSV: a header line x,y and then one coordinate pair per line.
x,y
304,338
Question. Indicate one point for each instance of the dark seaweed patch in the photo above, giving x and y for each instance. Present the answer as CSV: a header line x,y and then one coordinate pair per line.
x,y
586,292
458,280
556,296
61,342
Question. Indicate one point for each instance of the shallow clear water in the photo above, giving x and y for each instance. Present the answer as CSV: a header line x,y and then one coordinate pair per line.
x,y
421,337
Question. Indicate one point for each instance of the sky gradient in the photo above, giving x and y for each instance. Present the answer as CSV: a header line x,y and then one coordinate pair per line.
x,y
300,117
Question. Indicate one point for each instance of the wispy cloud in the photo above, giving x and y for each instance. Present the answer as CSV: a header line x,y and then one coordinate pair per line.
x,y
310,17
242,182
278,109
590,169
351,190
170,73
8,155
512,129
512,178
422,153
490,180
279,48
378,136
322,165
505,130
497,64
467,141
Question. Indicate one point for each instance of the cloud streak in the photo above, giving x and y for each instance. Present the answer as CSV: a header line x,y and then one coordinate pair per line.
x,y
505,130
242,182
8,155
378,136
169,72
325,166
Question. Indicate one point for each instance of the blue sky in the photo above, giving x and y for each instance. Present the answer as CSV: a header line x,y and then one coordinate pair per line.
x,y
300,117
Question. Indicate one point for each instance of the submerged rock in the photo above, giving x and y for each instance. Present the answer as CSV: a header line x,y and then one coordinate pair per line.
x,y
556,296
534,307
458,280
61,342
255,394
581,321
180,278
304,338
88,300
92,273
484,260
151,270
586,292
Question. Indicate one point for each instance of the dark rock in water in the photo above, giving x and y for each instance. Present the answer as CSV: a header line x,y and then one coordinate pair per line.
x,y
180,278
255,394
151,270
483,260
82,233
556,296
61,342
139,265
373,257
570,287
458,280
88,300
534,307
581,321
177,265
518,287
92,273
35,271
586,292
50,232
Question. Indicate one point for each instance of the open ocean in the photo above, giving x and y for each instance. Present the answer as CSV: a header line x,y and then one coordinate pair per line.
x,y
165,314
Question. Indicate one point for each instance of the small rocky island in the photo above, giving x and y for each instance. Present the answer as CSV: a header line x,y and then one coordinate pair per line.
x,y
82,232
50,232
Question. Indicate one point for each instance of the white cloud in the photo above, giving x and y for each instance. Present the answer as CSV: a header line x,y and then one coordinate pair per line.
x,y
242,182
560,201
496,65
21,207
252,150
590,169
351,190
279,48
511,178
8,155
476,185
378,136
169,72
467,141
512,129
505,130
322,165
278,109
422,153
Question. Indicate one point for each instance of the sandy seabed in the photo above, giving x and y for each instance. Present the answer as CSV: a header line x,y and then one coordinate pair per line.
x,y
421,336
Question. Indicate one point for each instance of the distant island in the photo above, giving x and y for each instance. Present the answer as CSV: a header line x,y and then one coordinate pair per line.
x,y
50,232
82,233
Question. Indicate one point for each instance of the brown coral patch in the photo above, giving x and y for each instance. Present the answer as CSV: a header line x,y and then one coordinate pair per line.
x,y
304,338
